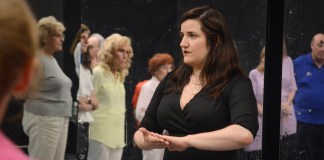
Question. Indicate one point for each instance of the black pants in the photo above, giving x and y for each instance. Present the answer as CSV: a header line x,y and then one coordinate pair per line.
x,y
288,149
253,155
310,141
83,141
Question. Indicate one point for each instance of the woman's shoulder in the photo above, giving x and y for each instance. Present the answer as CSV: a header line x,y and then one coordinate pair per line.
x,y
84,71
254,72
242,77
98,69
238,80
287,59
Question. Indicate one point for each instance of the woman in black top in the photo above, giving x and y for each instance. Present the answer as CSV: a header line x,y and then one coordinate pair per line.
x,y
207,105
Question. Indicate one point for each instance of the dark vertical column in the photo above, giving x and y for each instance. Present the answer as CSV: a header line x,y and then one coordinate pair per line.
x,y
272,80
72,21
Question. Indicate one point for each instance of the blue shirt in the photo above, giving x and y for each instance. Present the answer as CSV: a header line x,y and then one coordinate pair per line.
x,y
309,98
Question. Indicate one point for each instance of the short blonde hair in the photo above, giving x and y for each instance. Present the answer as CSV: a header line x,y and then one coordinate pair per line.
x,y
18,42
47,27
260,67
110,45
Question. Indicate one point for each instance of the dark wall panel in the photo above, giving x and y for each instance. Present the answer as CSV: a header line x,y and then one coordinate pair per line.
x,y
46,8
302,20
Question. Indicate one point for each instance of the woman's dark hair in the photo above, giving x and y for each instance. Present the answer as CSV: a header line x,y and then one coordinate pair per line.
x,y
221,61
86,60
77,38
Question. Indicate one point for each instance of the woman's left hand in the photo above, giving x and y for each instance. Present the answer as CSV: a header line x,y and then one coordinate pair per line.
x,y
285,109
175,143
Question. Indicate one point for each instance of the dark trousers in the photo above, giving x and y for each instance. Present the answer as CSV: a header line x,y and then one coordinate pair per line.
x,y
310,141
83,141
253,155
288,149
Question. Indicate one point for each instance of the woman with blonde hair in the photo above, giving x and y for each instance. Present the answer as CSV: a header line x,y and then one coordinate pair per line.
x,y
18,46
48,104
108,128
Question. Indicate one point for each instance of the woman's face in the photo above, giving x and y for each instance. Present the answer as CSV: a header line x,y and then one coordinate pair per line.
x,y
84,41
163,71
193,43
56,41
121,57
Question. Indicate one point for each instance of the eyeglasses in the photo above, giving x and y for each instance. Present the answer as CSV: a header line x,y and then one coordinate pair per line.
x,y
59,36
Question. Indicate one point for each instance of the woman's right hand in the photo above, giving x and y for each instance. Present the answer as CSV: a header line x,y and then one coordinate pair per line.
x,y
285,109
260,109
151,140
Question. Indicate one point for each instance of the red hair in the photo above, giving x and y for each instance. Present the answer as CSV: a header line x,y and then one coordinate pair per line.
x,y
158,60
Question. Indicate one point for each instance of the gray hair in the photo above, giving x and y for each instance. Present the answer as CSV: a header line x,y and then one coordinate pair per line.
x,y
99,37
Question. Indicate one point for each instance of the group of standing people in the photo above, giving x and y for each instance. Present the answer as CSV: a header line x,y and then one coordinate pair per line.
x,y
206,109
301,123
101,65
104,64
288,119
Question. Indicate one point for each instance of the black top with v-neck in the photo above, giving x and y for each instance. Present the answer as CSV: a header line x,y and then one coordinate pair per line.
x,y
236,105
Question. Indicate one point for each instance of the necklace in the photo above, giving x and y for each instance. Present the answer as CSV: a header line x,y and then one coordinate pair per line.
x,y
196,89
196,81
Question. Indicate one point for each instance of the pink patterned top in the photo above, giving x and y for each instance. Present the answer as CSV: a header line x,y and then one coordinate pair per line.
x,y
8,151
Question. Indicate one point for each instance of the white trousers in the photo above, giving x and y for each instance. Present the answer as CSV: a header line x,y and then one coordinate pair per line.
x,y
47,136
98,151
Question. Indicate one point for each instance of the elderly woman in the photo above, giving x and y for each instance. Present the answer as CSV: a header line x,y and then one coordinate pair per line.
x,y
48,105
107,130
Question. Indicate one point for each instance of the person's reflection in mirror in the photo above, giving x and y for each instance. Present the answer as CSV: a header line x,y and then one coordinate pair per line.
x,y
309,101
287,120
